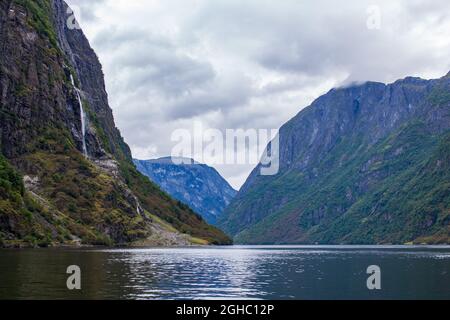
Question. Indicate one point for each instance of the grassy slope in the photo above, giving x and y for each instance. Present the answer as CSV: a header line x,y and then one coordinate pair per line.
x,y
75,197
405,198
26,220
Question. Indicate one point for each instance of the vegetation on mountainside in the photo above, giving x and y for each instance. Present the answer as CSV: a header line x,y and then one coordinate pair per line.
x,y
23,219
68,199
157,201
395,191
40,12
174,212
407,192
77,198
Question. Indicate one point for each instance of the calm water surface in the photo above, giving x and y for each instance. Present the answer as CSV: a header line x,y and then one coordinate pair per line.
x,y
246,272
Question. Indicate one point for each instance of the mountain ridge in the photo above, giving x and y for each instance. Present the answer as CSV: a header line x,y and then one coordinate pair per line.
x,y
335,153
62,196
195,184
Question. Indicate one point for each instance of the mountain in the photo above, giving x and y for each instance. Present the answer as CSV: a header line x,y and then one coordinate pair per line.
x,y
197,185
365,164
66,174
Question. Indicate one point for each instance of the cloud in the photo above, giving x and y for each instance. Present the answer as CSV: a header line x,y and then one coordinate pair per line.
x,y
145,59
250,64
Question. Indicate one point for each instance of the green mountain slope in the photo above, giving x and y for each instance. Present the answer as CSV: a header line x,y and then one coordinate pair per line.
x,y
362,165
50,192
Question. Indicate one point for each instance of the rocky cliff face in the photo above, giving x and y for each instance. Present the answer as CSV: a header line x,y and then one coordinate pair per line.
x,y
63,196
199,186
363,164
102,135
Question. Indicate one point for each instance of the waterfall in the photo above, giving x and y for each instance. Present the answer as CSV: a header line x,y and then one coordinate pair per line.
x,y
82,116
138,206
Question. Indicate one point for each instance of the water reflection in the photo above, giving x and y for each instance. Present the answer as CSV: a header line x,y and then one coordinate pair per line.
x,y
300,272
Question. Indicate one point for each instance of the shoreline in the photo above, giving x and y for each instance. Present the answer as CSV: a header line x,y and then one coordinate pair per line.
x,y
233,246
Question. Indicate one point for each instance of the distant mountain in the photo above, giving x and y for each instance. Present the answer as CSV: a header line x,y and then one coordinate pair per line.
x,y
66,174
365,164
197,185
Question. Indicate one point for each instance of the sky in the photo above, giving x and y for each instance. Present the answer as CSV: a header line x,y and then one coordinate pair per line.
x,y
250,64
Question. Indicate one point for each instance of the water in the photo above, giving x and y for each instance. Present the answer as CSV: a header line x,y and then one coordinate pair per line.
x,y
248,272
82,116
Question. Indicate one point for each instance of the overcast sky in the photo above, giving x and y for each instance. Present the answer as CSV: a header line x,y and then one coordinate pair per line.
x,y
250,63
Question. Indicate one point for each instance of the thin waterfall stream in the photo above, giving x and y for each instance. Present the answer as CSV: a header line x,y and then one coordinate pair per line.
x,y
82,116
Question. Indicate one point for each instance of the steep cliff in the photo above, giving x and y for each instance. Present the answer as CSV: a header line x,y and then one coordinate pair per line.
x,y
77,180
199,186
365,164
